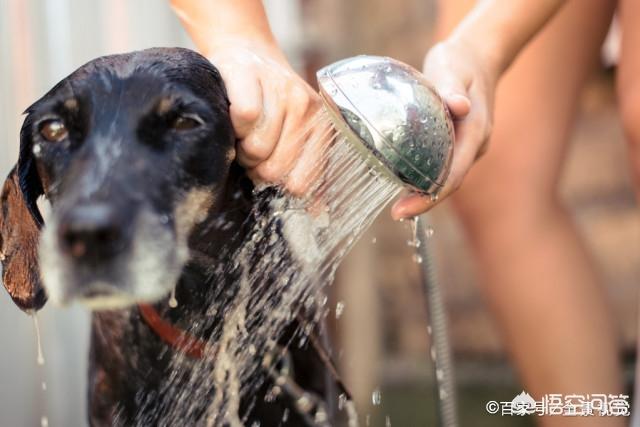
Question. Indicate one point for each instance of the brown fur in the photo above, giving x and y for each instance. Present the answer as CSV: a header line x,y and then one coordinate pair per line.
x,y
19,234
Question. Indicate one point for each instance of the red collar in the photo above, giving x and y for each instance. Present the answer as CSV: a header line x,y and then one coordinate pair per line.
x,y
174,337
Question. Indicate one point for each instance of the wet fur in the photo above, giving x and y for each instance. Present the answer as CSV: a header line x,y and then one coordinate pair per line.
x,y
207,197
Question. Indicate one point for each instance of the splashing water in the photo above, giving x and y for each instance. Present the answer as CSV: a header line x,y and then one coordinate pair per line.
x,y
290,256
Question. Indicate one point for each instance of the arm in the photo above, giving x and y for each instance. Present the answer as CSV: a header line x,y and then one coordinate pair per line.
x,y
499,30
466,67
211,23
270,103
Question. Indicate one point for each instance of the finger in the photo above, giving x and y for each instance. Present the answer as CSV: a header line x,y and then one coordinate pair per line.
x,y
296,128
411,205
471,137
313,159
470,140
452,90
245,97
258,146
459,105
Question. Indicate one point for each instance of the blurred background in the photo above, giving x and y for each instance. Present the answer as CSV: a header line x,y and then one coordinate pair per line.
x,y
381,338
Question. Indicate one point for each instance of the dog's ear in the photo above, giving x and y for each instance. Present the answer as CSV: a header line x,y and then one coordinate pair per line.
x,y
20,224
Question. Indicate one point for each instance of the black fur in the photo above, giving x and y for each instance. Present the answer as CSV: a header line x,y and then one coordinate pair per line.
x,y
119,98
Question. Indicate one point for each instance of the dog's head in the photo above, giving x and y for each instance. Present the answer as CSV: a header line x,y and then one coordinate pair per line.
x,y
132,152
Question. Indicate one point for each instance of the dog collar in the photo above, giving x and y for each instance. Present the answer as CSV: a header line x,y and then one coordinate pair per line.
x,y
176,338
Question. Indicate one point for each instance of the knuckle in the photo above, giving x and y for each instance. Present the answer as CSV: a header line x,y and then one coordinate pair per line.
x,y
269,170
256,147
245,113
300,99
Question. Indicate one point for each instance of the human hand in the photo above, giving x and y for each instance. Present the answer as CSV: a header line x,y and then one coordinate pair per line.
x,y
467,84
271,108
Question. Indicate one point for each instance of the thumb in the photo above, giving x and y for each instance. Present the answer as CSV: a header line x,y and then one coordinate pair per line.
x,y
459,105
454,94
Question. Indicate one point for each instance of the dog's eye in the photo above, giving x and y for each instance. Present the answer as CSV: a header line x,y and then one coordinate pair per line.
x,y
186,122
54,130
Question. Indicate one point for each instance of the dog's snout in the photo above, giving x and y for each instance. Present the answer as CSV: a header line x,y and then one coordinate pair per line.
x,y
92,231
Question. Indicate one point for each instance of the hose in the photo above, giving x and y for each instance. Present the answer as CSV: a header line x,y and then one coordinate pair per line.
x,y
439,337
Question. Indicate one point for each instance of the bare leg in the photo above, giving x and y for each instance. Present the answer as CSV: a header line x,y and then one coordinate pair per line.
x,y
537,276
629,99
629,84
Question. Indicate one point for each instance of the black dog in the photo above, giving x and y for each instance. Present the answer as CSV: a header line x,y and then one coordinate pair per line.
x,y
135,154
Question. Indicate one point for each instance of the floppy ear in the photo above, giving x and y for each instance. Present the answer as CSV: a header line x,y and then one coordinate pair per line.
x,y
20,223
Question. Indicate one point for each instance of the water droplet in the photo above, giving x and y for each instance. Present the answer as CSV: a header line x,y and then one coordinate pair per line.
x,y
304,403
44,422
37,149
374,240
285,415
302,342
429,231
273,238
439,374
443,393
413,243
339,309
434,197
342,400
429,330
387,421
376,397
321,416
44,386
271,395
417,259
173,302
352,414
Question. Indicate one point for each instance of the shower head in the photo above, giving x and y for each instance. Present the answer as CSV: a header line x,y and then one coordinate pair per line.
x,y
390,112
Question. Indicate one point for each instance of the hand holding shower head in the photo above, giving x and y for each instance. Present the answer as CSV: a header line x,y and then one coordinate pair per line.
x,y
394,115
391,114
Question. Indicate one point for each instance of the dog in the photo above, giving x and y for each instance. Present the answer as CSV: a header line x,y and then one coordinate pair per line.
x,y
135,153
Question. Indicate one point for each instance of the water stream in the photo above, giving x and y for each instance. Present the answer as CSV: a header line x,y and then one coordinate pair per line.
x,y
44,420
283,268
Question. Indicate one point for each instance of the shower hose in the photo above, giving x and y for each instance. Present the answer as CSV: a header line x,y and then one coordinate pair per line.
x,y
439,337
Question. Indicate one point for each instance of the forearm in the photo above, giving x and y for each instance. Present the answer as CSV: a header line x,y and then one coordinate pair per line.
x,y
497,30
211,23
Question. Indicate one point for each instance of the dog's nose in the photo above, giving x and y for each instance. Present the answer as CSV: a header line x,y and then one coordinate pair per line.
x,y
92,231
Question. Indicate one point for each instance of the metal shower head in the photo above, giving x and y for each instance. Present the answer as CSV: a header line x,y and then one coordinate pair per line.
x,y
391,113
